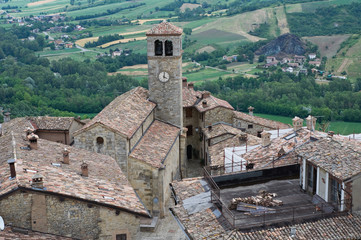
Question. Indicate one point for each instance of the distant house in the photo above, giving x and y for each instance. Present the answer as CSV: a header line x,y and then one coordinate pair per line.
x,y
289,69
293,65
271,64
270,59
304,71
69,45
286,60
312,55
232,58
117,53
315,63
31,38
299,59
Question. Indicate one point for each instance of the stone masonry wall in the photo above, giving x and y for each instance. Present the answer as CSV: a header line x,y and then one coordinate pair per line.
x,y
218,114
114,144
239,123
195,122
16,209
221,138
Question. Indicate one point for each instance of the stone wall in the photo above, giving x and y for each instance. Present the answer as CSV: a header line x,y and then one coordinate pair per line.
x,y
75,126
68,217
115,145
220,138
251,128
141,130
194,139
218,114
16,209
355,190
55,136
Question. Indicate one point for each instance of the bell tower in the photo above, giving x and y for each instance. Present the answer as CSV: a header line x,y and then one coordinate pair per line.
x,y
164,46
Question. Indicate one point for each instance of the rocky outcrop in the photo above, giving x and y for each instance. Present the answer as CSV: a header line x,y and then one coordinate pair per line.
x,y
286,44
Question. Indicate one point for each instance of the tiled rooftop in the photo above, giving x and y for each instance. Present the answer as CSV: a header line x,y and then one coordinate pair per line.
x,y
338,156
219,129
125,113
18,125
106,183
8,234
156,143
212,102
336,228
190,96
200,225
260,121
51,123
165,28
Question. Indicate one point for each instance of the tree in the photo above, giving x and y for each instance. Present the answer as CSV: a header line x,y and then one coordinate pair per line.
x,y
187,31
72,2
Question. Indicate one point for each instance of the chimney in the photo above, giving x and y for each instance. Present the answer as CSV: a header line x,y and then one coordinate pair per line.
x,y
66,156
266,138
250,110
206,94
210,128
297,123
37,181
7,117
28,131
184,82
11,163
242,137
191,85
311,123
331,133
84,169
204,103
33,139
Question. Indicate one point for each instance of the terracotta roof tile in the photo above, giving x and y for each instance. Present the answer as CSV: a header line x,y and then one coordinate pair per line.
x,y
17,125
211,103
190,96
51,123
156,143
165,28
260,121
106,183
125,113
338,156
219,129
336,228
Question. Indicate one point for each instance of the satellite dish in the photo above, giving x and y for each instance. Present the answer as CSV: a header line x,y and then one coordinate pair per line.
x,y
2,225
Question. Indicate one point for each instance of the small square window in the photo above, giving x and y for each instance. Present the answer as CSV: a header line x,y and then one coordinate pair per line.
x,y
121,236
188,112
250,125
190,130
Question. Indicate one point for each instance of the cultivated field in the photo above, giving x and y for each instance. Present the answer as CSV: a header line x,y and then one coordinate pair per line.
x,y
328,45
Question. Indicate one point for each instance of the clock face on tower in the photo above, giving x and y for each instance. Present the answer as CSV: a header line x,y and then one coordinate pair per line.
x,y
163,77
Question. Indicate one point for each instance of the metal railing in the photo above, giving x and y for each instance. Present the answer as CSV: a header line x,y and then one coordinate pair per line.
x,y
211,182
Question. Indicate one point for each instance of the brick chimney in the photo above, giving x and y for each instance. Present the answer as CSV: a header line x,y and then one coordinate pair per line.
x,y
184,82
7,117
204,103
33,139
84,169
190,85
250,110
311,123
297,123
331,133
66,156
11,163
28,131
266,138
37,181
206,94
242,137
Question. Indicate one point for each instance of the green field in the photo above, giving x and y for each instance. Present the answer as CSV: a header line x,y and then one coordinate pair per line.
x,y
206,75
343,128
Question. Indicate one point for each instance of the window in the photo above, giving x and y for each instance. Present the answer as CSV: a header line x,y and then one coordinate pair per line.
x,y
310,175
190,130
158,48
250,125
100,144
100,140
259,134
335,191
188,112
168,48
121,236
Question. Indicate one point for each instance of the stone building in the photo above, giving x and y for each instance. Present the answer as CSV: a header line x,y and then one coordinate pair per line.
x,y
143,130
56,129
57,189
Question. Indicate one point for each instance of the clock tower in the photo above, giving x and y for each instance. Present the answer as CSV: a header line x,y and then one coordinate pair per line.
x,y
164,46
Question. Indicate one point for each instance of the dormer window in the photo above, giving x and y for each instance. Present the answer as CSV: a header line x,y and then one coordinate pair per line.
x,y
168,48
158,48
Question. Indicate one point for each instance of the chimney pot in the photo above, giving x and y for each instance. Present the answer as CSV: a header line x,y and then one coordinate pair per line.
x,y
7,117
210,127
37,181
66,156
266,138
250,110
191,85
331,133
311,122
184,82
204,103
206,94
297,123
84,169
11,163
33,139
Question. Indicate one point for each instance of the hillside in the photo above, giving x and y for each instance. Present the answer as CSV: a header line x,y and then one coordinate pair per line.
x,y
286,44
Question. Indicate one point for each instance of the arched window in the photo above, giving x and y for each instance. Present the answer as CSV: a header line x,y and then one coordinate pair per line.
x,y
168,48
100,144
158,48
